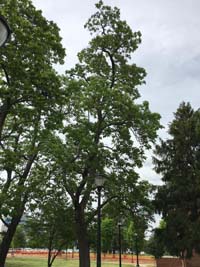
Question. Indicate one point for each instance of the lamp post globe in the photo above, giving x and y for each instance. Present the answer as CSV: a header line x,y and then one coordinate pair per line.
x,y
4,31
99,181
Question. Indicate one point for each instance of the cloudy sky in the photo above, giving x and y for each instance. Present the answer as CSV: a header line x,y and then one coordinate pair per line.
x,y
170,49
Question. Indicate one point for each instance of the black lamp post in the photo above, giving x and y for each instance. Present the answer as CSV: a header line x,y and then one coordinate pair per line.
x,y
4,31
99,181
137,251
120,244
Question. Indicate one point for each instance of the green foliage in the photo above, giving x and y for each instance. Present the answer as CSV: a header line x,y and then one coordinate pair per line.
x,y
51,225
178,198
134,205
19,240
28,80
155,246
30,105
104,123
130,233
107,227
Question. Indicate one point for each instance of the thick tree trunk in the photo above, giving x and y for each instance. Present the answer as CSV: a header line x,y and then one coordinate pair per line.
x,y
83,242
7,239
19,210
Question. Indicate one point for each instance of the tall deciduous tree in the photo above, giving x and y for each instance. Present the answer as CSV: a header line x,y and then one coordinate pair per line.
x,y
178,199
106,131
30,104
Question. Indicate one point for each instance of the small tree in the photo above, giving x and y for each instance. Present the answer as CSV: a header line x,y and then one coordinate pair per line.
x,y
107,234
52,225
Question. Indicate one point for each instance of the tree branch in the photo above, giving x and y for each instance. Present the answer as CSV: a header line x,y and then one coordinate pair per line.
x,y
96,211
112,66
4,222
6,74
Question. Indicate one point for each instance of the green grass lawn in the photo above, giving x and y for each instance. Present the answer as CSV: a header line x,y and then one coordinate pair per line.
x,y
39,262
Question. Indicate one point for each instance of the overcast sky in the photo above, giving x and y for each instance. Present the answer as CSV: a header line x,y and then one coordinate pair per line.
x,y
170,49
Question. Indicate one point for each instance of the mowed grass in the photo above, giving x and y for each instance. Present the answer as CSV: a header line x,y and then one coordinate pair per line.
x,y
42,262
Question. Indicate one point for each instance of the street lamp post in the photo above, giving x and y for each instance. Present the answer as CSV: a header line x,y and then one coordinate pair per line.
x,y
120,244
99,181
4,31
137,251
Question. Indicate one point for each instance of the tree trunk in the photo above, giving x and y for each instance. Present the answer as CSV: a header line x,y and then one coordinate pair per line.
x,y
49,258
83,243
7,239
3,114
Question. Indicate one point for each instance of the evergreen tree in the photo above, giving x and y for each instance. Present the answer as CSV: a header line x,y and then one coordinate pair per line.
x,y
178,199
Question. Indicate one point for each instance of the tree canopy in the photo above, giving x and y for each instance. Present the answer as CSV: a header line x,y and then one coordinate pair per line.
x,y
61,132
30,103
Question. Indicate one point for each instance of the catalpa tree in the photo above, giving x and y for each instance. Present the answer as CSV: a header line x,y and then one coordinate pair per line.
x,y
106,131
